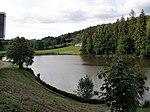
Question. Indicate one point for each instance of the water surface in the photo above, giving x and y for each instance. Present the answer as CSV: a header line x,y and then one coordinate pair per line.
x,y
64,71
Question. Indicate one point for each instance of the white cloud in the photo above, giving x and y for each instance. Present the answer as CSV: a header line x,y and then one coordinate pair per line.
x,y
40,18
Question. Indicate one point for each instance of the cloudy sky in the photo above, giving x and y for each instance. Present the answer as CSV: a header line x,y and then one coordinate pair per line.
x,y
40,18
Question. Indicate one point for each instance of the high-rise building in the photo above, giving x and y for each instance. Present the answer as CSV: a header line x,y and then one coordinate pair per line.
x,y
2,24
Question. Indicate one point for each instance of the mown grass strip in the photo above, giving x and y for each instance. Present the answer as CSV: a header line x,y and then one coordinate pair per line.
x,y
70,50
1,63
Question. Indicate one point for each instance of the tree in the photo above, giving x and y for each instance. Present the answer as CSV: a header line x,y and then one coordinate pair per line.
x,y
123,87
20,52
89,47
140,39
84,44
85,88
132,14
121,46
39,45
147,43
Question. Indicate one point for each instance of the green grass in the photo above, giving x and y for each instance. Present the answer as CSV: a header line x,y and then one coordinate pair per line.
x,y
20,92
1,63
70,50
64,51
144,110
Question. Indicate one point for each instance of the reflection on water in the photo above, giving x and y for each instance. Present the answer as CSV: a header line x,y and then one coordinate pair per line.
x,y
64,71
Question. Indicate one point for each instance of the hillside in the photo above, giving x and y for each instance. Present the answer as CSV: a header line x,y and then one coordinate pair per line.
x,y
129,35
62,51
20,92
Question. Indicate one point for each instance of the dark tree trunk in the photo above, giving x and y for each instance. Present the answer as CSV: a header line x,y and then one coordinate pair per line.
x,y
20,65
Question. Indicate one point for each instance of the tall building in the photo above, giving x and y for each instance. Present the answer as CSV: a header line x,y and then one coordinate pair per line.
x,y
2,24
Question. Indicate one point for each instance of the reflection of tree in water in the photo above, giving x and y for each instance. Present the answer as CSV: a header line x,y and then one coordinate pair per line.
x,y
95,60
104,61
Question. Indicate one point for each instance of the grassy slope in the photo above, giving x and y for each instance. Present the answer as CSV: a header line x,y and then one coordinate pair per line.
x,y
1,63
19,91
64,50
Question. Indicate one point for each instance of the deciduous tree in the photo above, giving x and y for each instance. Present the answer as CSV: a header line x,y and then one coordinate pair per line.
x,y
20,51
123,87
85,88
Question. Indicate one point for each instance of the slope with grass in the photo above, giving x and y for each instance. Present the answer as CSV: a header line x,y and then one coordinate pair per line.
x,y
63,51
19,91
1,63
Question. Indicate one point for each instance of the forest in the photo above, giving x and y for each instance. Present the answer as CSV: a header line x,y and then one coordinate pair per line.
x,y
125,36
129,35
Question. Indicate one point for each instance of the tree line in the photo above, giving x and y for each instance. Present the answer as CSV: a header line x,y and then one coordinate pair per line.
x,y
125,36
48,42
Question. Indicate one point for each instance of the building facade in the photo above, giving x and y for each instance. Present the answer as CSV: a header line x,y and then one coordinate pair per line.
x,y
2,24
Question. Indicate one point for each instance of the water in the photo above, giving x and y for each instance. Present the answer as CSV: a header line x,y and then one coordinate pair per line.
x,y
64,71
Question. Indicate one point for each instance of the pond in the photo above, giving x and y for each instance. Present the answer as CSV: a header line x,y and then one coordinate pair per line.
x,y
64,71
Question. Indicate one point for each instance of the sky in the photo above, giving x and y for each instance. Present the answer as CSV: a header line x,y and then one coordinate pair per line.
x,y
36,19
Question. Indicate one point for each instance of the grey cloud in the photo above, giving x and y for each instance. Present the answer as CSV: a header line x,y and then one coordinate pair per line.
x,y
146,8
108,15
33,18
42,19
76,16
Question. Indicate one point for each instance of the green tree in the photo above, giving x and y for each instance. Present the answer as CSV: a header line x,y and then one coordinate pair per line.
x,y
123,87
132,21
39,45
123,27
20,52
84,45
132,14
140,39
125,45
102,40
147,43
85,88
121,46
89,47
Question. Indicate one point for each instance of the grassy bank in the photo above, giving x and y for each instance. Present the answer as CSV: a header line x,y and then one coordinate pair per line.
x,y
21,92
62,51
69,50
1,63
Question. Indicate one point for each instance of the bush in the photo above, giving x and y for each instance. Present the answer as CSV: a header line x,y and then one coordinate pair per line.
x,y
123,87
146,104
85,88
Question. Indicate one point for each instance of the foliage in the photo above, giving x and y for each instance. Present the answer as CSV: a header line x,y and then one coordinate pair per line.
x,y
146,104
85,88
83,48
123,87
128,33
20,52
127,36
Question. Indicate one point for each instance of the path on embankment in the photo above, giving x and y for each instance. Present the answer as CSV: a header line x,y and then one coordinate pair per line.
x,y
5,64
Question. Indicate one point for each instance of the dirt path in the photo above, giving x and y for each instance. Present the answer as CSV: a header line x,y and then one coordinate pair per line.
x,y
6,64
